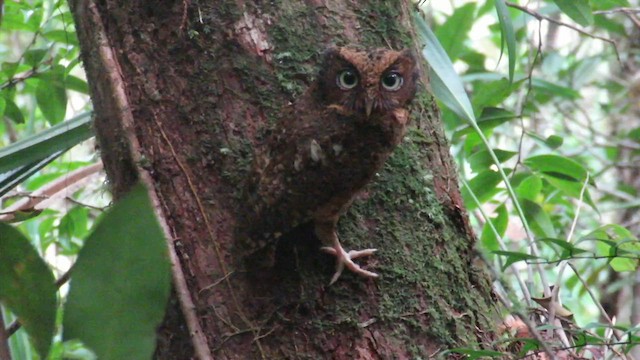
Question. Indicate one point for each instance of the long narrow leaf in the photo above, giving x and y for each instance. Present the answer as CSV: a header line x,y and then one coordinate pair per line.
x,y
446,84
35,148
12,178
448,88
508,35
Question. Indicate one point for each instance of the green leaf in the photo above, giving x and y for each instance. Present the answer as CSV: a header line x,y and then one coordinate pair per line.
x,y
616,240
482,160
51,95
76,84
33,57
3,106
12,111
538,219
15,17
10,179
500,222
563,173
609,4
578,10
554,141
37,147
568,250
529,188
120,282
507,35
513,257
492,93
548,87
453,32
484,186
445,82
27,287
489,119
62,36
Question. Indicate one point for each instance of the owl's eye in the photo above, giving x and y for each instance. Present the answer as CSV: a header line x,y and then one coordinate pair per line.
x,y
347,79
392,81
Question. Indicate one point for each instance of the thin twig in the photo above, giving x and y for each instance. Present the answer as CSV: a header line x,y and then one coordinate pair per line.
x,y
539,16
617,10
603,312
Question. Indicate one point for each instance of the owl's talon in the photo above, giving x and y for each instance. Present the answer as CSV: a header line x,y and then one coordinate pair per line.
x,y
345,259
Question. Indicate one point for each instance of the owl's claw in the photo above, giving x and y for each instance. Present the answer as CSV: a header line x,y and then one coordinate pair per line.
x,y
345,259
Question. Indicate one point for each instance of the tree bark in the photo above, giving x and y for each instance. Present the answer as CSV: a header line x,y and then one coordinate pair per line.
x,y
183,92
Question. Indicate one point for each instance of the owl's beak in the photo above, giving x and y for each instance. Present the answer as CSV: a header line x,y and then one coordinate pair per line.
x,y
368,105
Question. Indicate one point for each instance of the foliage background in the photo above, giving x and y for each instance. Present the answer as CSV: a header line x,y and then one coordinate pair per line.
x,y
550,88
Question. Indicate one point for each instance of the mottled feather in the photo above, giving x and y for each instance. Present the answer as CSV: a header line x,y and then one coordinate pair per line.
x,y
330,143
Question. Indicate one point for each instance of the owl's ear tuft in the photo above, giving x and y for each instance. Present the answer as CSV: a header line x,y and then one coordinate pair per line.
x,y
408,57
330,52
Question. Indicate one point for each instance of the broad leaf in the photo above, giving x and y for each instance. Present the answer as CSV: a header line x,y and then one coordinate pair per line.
x,y
27,287
482,160
538,219
500,222
614,240
529,188
578,10
120,283
51,95
563,173
453,32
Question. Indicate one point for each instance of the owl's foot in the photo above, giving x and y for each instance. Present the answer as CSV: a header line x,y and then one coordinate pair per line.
x,y
346,259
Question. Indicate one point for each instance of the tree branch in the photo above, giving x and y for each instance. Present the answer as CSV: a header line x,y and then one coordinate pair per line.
x,y
541,17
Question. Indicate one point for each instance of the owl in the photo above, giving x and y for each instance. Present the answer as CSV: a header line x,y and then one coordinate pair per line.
x,y
329,144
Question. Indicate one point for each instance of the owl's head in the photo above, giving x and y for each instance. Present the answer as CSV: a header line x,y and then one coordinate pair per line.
x,y
367,82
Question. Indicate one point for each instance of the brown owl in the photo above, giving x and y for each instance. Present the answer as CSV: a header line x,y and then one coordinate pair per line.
x,y
329,144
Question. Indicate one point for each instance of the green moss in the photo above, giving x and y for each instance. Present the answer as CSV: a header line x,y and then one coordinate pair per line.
x,y
295,46
380,24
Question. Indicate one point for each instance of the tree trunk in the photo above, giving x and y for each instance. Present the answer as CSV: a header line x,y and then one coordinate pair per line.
x,y
184,90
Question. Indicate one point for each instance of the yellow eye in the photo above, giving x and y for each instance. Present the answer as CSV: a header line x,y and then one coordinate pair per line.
x,y
392,81
347,79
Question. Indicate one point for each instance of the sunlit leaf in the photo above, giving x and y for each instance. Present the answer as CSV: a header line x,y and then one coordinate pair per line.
x,y
508,35
482,160
613,240
578,10
445,82
490,118
563,173
454,31
530,187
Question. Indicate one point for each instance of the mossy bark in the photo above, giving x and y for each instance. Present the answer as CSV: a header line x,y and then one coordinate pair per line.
x,y
202,83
